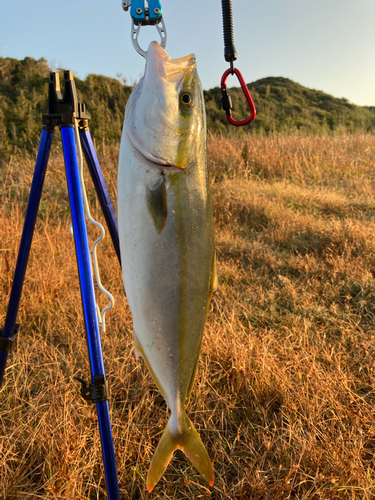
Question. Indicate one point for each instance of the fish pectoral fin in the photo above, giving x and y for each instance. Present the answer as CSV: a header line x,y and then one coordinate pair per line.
x,y
188,441
157,204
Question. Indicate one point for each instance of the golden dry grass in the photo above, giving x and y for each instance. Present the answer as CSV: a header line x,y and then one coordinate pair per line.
x,y
284,397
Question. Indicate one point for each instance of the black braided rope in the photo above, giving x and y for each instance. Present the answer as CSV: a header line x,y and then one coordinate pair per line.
x,y
230,52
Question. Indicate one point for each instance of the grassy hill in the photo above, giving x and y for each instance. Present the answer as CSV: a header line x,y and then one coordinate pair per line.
x,y
286,106
282,106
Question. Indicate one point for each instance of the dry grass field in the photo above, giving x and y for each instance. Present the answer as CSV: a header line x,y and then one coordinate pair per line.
x,y
285,392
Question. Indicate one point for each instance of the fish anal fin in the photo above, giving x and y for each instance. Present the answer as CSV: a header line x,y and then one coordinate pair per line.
x,y
214,283
186,440
139,351
137,346
157,204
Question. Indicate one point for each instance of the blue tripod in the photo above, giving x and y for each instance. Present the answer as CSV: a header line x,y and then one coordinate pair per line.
x,y
65,111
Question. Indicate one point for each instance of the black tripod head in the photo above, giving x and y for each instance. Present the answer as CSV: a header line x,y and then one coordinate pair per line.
x,y
63,109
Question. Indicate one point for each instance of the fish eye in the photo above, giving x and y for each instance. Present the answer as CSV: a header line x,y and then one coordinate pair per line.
x,y
186,98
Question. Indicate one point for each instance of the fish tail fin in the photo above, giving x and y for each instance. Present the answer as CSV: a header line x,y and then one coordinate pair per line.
x,y
186,440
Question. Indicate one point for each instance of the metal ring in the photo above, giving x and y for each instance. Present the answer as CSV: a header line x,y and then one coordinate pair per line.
x,y
136,28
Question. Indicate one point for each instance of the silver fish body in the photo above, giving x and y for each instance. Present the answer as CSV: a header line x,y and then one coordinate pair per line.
x,y
167,239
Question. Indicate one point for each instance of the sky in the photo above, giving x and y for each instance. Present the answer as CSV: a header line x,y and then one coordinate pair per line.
x,y
327,45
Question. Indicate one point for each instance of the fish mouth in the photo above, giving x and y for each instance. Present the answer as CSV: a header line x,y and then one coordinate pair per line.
x,y
173,70
160,164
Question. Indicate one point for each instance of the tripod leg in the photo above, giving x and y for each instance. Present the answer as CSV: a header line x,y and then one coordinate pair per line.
x,y
27,236
89,306
101,188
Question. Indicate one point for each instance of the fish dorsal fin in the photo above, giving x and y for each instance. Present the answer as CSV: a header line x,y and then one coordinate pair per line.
x,y
157,204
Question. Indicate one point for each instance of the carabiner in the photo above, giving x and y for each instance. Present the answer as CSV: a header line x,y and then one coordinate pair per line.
x,y
227,101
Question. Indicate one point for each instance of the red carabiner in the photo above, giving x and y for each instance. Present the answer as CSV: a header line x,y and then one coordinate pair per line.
x,y
227,102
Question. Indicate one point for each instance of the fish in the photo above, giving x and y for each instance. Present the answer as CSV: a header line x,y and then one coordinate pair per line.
x,y
166,236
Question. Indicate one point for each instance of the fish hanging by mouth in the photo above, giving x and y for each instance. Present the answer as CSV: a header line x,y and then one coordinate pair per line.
x,y
167,240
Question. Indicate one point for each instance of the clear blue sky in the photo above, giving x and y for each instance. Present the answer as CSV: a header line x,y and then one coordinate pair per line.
x,y
323,44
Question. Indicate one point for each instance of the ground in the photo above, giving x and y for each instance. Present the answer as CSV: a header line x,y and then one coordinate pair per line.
x,y
284,394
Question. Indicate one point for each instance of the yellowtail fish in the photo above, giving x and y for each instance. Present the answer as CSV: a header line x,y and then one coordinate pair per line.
x,y
167,240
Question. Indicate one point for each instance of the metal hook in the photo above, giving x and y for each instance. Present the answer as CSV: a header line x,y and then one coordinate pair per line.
x,y
136,28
